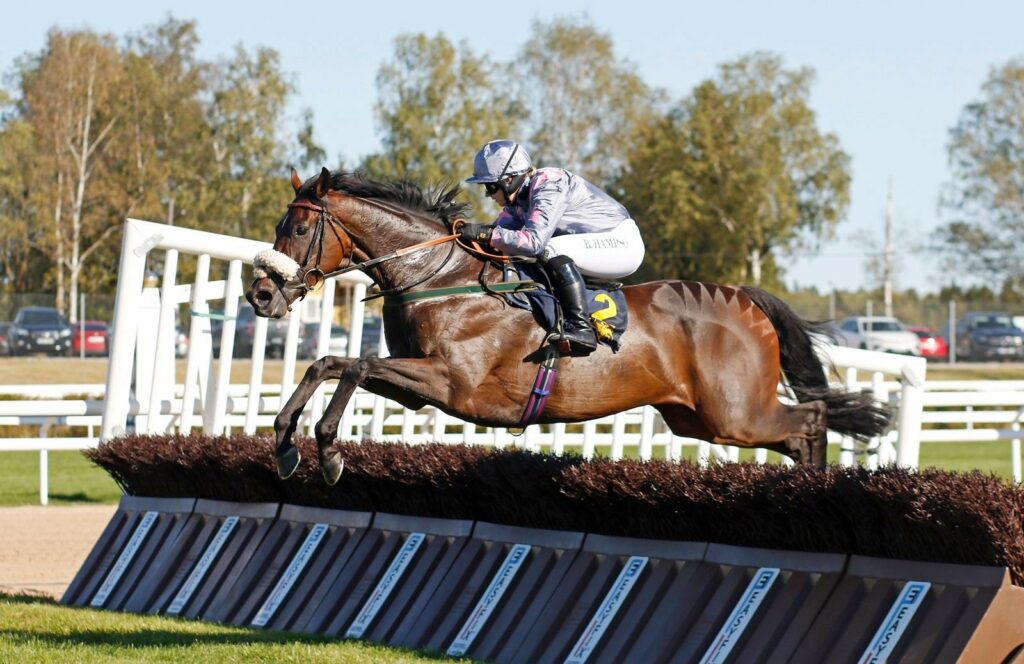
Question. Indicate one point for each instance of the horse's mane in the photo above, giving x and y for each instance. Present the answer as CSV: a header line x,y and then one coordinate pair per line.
x,y
439,203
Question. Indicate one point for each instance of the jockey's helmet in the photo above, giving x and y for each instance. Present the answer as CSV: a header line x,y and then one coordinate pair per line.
x,y
499,160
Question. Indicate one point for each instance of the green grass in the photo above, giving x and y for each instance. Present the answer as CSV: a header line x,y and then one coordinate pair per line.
x,y
35,629
72,477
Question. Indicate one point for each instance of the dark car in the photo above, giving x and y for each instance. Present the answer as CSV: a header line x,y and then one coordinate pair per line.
x,y
40,330
245,329
988,335
92,336
370,344
5,345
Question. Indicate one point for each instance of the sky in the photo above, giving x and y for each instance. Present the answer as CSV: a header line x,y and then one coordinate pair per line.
x,y
891,79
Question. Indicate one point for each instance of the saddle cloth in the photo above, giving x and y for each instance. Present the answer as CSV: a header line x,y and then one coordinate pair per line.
x,y
607,307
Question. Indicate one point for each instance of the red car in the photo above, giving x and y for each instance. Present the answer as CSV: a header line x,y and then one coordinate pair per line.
x,y
94,338
933,347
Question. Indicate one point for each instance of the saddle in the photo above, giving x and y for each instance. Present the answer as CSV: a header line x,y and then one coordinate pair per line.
x,y
606,303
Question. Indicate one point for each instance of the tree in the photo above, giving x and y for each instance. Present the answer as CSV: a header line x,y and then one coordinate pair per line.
x,y
985,196
68,92
164,148
583,102
19,228
737,171
438,103
245,115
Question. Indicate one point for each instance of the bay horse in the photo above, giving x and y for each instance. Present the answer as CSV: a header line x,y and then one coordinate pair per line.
x,y
709,358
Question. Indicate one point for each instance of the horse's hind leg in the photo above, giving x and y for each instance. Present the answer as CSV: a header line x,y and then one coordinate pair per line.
x,y
799,428
288,418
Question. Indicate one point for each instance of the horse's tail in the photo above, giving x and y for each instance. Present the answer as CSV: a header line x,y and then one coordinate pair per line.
x,y
850,413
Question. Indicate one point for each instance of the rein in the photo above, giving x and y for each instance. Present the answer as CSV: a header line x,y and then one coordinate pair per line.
x,y
312,277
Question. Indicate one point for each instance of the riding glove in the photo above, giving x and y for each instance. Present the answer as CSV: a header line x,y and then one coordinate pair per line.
x,y
475,233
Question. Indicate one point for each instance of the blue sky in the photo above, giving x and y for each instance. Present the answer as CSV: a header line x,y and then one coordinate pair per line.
x,y
891,78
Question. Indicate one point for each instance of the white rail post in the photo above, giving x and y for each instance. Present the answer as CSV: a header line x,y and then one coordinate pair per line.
x,y
908,448
589,439
162,386
44,477
215,413
134,247
259,350
875,454
1015,447
647,433
199,343
847,459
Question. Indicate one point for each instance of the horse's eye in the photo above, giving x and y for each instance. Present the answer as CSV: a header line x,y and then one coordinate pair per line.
x,y
301,230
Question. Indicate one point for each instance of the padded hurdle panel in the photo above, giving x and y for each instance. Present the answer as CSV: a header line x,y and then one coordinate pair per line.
x,y
216,542
304,548
614,588
139,530
389,579
903,611
741,605
492,595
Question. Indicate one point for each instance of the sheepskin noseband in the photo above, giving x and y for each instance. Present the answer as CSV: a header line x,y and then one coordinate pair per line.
x,y
271,261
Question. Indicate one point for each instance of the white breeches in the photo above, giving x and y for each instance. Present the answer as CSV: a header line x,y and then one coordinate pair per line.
x,y
611,255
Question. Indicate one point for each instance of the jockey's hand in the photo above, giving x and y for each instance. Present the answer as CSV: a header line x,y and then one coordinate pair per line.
x,y
475,233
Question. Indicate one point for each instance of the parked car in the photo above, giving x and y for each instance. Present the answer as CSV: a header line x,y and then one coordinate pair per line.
x,y
5,346
933,346
882,333
40,330
92,336
338,345
988,335
245,329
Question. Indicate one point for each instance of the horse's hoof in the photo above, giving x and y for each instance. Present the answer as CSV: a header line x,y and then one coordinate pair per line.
x,y
288,462
331,467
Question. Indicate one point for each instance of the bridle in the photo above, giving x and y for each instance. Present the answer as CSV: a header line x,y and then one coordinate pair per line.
x,y
311,278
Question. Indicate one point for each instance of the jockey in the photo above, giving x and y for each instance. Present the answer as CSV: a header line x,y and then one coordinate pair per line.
x,y
571,226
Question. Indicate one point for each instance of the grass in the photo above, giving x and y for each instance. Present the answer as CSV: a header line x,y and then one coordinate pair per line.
x,y
36,629
72,477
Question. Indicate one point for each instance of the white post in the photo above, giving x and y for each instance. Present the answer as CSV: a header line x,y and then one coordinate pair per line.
x,y
618,434
217,400
288,369
44,477
147,318
162,385
846,443
646,433
199,345
323,344
875,454
558,438
589,439
1015,448
134,248
908,448
259,349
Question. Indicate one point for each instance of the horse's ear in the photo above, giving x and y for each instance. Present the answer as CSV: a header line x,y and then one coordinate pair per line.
x,y
323,183
296,182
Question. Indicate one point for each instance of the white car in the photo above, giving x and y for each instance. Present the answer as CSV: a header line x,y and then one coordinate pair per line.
x,y
881,333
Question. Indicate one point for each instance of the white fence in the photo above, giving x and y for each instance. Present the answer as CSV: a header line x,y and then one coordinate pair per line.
x,y
142,395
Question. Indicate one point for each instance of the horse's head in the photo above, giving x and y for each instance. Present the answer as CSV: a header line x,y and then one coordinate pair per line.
x,y
309,242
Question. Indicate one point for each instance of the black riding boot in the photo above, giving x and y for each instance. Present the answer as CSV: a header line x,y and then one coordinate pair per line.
x,y
577,330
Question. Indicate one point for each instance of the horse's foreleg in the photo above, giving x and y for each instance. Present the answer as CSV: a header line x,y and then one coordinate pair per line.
x,y
287,420
409,381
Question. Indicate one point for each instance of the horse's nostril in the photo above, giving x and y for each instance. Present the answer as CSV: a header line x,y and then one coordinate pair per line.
x,y
262,297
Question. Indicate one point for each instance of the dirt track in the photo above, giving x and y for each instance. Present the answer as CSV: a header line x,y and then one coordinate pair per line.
x,y
41,548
